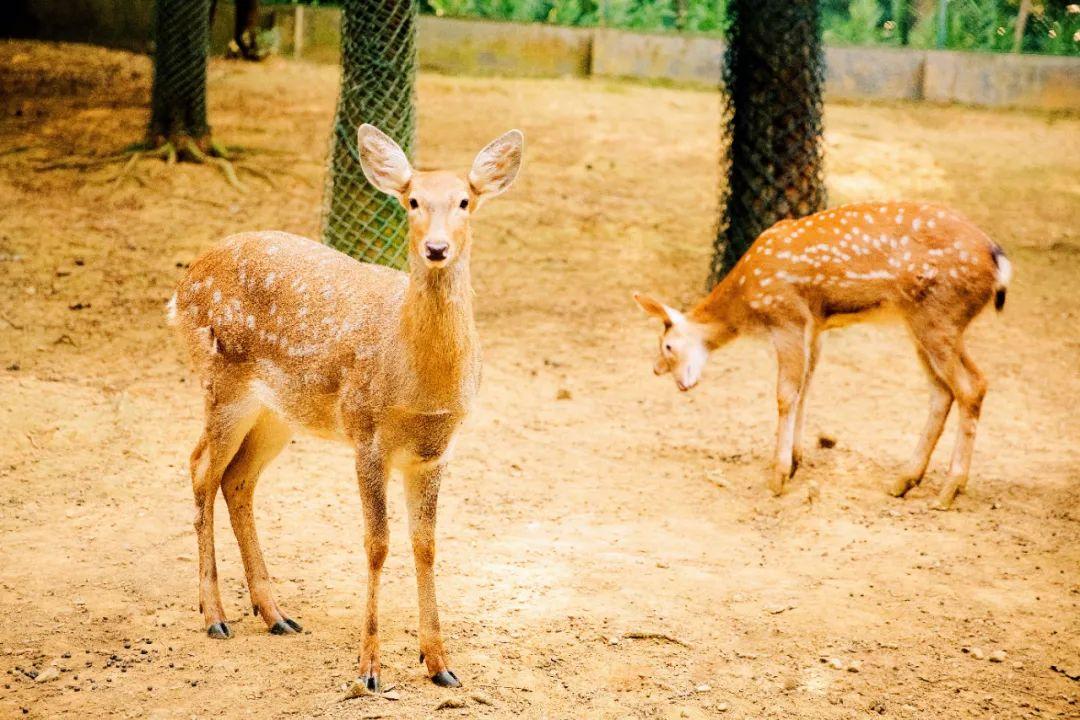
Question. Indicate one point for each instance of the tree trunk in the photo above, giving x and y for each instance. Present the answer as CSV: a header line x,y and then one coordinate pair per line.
x,y
178,97
774,74
378,74
904,19
1021,25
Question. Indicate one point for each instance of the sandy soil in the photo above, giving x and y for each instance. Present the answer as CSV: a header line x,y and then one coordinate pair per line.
x,y
567,526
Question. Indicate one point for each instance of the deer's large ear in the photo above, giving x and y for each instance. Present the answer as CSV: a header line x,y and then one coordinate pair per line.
x,y
495,168
669,315
383,161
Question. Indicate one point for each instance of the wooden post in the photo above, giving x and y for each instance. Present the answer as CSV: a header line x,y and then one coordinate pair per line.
x,y
298,31
1021,24
942,23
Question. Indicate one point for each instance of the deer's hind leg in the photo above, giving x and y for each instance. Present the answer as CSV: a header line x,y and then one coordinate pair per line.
x,y
263,442
227,422
945,355
941,400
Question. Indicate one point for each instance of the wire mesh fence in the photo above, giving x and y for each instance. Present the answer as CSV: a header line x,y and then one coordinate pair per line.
x,y
771,123
181,44
378,80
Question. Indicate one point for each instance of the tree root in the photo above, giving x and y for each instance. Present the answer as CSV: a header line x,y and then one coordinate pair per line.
x,y
186,149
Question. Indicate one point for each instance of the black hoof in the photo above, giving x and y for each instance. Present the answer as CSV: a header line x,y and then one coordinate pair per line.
x,y
219,631
371,682
421,658
294,625
284,627
446,678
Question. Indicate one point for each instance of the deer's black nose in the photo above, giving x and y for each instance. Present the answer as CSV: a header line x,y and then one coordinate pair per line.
x,y
436,251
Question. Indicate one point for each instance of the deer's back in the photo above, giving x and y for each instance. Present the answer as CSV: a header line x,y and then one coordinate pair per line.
x,y
289,319
868,257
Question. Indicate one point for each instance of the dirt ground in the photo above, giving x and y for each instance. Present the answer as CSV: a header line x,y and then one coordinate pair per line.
x,y
567,525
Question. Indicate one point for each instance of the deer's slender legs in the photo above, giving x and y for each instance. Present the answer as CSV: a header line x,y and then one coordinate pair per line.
x,y
371,473
791,361
226,425
813,350
262,444
970,389
946,356
421,496
941,399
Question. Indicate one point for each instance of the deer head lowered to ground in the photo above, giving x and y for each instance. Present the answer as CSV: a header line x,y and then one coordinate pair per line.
x,y
920,264
288,334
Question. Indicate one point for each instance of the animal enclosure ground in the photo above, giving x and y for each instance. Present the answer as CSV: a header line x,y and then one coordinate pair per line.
x,y
613,553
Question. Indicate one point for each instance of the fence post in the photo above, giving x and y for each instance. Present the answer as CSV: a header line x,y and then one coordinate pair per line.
x,y
942,23
298,31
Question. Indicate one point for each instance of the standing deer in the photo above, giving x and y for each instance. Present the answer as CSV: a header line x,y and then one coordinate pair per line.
x,y
921,264
286,334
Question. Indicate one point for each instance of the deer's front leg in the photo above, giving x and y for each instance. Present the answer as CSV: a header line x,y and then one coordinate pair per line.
x,y
791,361
372,476
422,495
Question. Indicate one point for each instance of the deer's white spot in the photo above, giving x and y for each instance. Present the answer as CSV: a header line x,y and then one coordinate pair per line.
x,y
250,322
269,280
916,223
217,296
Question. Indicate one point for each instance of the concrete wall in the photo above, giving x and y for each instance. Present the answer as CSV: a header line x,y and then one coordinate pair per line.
x,y
688,60
495,48
1031,81
874,73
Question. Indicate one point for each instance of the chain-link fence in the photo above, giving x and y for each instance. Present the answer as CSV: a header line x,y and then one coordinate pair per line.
x,y
378,74
771,122
178,98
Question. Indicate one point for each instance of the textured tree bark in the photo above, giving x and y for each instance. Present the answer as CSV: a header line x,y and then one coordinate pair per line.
x,y
774,76
378,80
178,97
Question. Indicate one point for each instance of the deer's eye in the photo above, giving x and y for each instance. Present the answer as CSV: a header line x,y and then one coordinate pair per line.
x,y
667,347
413,204
465,203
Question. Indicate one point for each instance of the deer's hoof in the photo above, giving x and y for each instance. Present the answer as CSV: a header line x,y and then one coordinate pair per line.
x,y
288,626
371,682
900,488
219,631
446,678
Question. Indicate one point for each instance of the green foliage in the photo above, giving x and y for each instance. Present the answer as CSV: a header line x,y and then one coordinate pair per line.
x,y
861,26
1053,27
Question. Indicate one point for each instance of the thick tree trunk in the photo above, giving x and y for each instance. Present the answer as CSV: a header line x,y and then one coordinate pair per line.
x,y
178,98
378,75
774,75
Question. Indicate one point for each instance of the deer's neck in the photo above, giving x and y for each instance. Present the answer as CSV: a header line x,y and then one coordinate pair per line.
x,y
440,343
723,312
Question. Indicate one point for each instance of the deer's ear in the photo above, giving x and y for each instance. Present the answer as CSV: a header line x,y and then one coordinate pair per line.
x,y
669,315
494,169
383,161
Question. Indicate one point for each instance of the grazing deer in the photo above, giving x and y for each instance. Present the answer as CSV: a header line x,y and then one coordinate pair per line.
x,y
286,333
921,264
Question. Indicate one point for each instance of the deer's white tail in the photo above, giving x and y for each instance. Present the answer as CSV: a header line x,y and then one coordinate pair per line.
x,y
1002,274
